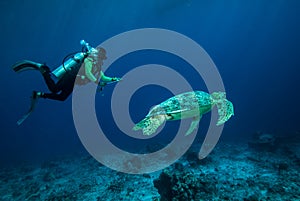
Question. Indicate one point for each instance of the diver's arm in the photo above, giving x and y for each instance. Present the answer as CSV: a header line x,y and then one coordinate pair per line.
x,y
105,78
88,65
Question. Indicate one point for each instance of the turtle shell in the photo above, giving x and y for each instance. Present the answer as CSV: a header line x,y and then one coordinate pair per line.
x,y
184,105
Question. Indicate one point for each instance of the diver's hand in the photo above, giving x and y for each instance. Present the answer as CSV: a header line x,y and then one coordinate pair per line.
x,y
116,79
101,85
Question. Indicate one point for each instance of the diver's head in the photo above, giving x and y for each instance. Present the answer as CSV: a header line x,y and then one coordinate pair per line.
x,y
101,53
98,53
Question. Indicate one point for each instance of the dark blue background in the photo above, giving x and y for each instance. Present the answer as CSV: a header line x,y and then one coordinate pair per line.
x,y
254,44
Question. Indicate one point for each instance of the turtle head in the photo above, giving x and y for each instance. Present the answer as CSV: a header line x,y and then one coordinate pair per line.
x,y
156,110
218,97
225,107
225,111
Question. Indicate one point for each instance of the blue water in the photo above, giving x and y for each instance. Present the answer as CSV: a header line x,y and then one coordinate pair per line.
x,y
254,44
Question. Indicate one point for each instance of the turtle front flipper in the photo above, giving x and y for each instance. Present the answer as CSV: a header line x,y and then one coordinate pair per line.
x,y
150,124
194,124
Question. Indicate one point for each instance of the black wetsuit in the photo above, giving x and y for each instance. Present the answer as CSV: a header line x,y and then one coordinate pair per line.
x,y
64,86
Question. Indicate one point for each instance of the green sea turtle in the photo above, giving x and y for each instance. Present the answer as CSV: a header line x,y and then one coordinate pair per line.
x,y
186,105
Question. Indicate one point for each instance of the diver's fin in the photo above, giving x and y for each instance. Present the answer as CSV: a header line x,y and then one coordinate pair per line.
x,y
25,116
194,124
34,99
26,65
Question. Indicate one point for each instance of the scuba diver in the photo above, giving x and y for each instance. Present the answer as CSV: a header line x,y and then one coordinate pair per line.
x,y
84,65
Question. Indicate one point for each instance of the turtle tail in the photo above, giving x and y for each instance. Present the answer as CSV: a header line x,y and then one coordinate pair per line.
x,y
150,124
225,107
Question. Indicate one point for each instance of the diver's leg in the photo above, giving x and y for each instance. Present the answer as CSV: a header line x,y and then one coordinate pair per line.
x,y
52,86
65,89
61,96
45,70
65,86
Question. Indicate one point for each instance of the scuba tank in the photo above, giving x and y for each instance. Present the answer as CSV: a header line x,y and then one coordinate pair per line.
x,y
77,58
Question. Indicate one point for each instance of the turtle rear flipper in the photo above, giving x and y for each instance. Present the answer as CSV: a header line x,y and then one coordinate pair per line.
x,y
150,124
225,110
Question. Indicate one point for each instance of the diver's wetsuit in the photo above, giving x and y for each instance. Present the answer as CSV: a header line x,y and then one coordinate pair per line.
x,y
64,87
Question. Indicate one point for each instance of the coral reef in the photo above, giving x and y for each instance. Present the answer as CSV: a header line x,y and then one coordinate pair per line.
x,y
231,172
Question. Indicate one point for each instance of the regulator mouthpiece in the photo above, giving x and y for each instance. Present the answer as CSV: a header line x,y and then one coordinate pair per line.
x,y
86,46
